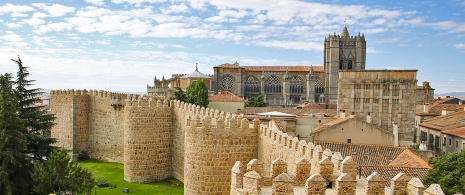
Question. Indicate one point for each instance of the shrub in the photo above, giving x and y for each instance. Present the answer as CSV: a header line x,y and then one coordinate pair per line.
x,y
84,155
102,183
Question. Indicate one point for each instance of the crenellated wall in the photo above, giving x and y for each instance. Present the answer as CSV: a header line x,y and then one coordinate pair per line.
x,y
274,144
213,142
147,140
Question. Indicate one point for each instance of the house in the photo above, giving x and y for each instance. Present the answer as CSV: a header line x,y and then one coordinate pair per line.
x,y
226,101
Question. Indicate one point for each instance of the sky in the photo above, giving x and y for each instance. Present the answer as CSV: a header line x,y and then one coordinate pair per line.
x,y
121,45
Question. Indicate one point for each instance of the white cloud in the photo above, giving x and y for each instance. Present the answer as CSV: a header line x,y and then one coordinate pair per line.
x,y
95,2
34,22
13,25
460,46
103,42
175,9
10,8
55,10
13,39
371,50
294,45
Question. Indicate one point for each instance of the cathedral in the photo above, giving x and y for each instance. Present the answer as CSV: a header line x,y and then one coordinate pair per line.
x,y
292,85
282,85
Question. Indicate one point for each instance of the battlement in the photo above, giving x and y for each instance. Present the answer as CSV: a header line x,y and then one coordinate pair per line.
x,y
251,179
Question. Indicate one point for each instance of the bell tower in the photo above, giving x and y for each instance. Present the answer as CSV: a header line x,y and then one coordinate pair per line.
x,y
341,52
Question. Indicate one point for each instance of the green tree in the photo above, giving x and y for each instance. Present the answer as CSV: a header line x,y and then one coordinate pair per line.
x,y
256,101
197,93
448,171
38,122
60,175
15,166
179,95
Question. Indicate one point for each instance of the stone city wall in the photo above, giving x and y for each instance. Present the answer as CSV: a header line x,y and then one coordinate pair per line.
x,y
147,140
274,144
62,105
213,142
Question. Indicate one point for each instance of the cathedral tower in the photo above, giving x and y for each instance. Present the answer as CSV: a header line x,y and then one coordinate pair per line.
x,y
341,52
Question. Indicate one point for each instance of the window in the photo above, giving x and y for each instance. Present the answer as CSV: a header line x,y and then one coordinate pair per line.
x,y
341,65
349,65
444,142
450,141
251,84
272,85
227,82
349,141
296,85
456,144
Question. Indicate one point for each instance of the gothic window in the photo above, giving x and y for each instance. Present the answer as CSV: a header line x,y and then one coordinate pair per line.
x,y
273,85
227,83
349,65
251,85
296,85
341,65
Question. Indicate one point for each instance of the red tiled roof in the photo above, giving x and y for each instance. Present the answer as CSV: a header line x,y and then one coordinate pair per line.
x,y
330,124
225,96
408,158
459,132
284,68
452,120
442,100
438,108
298,112
365,154
388,172
316,106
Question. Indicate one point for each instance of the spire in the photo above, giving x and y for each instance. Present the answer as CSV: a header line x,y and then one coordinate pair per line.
x,y
345,32
196,68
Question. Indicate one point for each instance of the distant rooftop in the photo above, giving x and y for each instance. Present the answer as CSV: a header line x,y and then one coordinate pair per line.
x,y
196,74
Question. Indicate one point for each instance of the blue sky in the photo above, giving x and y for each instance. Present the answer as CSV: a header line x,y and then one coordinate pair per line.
x,y
120,45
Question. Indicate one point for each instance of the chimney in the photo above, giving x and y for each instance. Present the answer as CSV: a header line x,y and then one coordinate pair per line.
x,y
395,131
425,108
352,115
368,118
343,114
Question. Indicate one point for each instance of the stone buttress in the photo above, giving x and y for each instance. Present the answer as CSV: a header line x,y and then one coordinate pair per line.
x,y
147,140
213,143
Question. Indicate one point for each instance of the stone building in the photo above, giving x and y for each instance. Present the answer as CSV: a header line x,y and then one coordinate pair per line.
x,y
389,96
280,85
291,85
165,87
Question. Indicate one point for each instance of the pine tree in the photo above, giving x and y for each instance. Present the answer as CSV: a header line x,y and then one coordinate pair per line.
x,y
38,122
59,175
15,166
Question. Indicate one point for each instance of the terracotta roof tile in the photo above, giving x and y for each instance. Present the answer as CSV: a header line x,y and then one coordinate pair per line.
x,y
459,132
438,108
442,100
365,154
331,123
284,68
225,96
449,121
388,172
294,111
408,158
317,106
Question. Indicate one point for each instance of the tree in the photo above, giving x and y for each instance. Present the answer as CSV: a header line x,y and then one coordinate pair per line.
x,y
256,101
197,93
15,166
179,95
448,171
61,176
37,120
